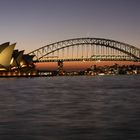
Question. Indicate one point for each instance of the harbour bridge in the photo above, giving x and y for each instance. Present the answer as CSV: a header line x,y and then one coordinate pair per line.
x,y
86,49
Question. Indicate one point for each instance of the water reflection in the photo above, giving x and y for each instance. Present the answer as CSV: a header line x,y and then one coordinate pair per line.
x,y
70,108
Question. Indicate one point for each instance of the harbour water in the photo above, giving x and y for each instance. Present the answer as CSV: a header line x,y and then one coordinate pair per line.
x,y
70,108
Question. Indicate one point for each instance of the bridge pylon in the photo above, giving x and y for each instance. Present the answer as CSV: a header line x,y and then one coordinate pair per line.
x,y
60,67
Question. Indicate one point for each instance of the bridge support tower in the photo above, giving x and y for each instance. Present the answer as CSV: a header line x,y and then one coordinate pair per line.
x,y
60,67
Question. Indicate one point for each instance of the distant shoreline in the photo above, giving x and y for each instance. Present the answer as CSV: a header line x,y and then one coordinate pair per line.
x,y
35,76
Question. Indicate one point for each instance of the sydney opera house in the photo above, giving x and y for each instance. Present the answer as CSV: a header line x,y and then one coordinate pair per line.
x,y
14,62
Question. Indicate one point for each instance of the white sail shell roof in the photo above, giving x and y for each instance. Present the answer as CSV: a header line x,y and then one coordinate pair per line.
x,y
6,54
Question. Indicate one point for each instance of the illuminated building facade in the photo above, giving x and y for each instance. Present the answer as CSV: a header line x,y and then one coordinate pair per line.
x,y
15,62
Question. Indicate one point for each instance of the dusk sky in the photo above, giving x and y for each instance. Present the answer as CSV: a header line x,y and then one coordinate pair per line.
x,y
36,23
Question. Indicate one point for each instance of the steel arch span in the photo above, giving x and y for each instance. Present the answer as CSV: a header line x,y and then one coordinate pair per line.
x,y
87,49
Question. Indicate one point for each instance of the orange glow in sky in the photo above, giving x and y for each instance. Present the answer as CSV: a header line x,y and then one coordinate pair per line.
x,y
80,66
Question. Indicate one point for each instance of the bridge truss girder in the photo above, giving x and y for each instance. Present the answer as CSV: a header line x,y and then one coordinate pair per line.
x,y
87,49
